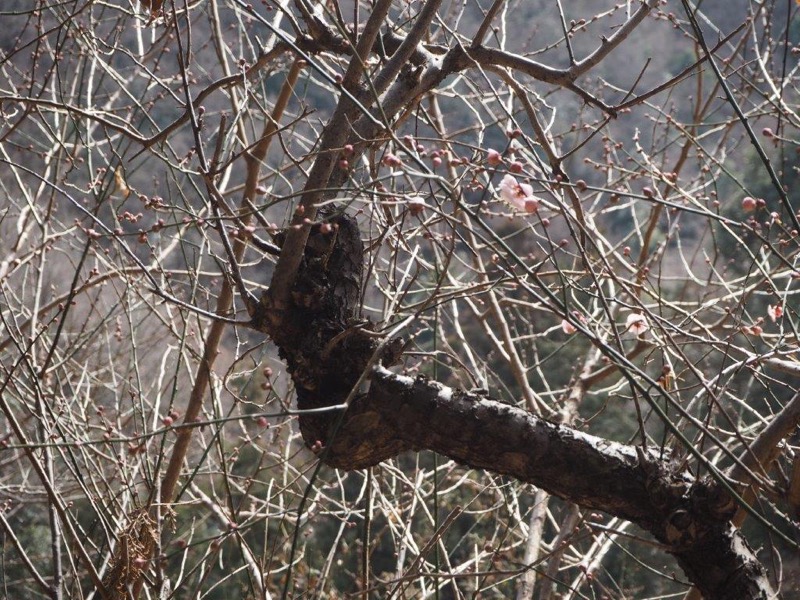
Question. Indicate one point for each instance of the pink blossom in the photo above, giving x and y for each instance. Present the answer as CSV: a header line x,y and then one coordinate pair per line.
x,y
518,195
568,327
775,312
636,323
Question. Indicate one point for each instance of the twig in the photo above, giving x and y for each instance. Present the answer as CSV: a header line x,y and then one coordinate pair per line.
x,y
224,302
332,138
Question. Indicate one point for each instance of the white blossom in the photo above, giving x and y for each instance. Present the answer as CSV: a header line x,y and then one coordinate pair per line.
x,y
518,195
636,323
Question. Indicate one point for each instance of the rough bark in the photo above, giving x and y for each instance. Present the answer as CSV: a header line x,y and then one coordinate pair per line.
x,y
327,348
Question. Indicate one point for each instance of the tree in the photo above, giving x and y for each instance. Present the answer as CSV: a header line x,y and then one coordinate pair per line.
x,y
510,233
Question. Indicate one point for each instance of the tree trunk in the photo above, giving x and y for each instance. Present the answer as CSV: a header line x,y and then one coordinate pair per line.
x,y
327,350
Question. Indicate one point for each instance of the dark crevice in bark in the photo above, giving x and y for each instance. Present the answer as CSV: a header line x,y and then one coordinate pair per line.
x,y
327,347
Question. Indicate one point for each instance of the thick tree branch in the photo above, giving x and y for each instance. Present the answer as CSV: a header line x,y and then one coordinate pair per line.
x,y
690,516
500,58
327,356
311,310
333,138
763,451
609,44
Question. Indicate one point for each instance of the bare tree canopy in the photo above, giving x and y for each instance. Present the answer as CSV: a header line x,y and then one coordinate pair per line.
x,y
411,299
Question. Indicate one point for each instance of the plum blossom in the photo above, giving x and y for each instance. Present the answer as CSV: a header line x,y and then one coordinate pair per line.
x,y
415,204
775,312
518,195
392,160
568,327
493,157
636,323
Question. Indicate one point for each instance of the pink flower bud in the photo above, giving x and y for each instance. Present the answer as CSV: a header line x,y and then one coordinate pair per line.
x,y
392,160
493,157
